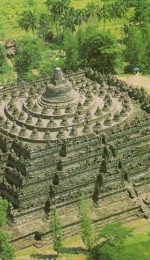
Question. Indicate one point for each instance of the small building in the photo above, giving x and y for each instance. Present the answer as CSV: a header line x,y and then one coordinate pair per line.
x,y
136,70
10,46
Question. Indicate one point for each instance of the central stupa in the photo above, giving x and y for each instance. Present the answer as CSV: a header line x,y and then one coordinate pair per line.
x,y
59,87
61,107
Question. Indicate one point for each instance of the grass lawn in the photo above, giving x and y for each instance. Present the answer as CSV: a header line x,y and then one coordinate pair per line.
x,y
11,10
9,13
137,81
140,245
75,250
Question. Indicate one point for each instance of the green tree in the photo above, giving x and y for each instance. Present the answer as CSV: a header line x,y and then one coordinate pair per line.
x,y
145,31
113,12
6,250
85,223
141,13
104,13
70,46
92,11
122,8
45,28
57,8
28,55
57,232
113,236
115,233
117,10
135,51
80,16
98,50
28,21
68,19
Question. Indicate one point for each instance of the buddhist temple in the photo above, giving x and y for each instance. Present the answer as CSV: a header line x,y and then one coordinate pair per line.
x,y
67,134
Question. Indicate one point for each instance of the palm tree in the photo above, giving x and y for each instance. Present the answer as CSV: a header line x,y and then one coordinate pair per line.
x,y
57,6
121,8
45,26
62,5
28,21
117,10
105,13
68,19
114,11
92,11
80,16
57,9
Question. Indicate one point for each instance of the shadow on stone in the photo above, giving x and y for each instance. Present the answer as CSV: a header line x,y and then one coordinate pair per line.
x,y
45,257
73,250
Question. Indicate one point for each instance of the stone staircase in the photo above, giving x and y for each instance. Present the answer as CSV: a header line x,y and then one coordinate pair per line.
x,y
134,194
145,209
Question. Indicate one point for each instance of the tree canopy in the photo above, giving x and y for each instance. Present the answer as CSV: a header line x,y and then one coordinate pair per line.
x,y
98,50
6,250
112,244
28,21
28,55
70,46
114,233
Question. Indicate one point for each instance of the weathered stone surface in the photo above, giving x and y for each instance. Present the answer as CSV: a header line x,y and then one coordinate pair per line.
x,y
61,142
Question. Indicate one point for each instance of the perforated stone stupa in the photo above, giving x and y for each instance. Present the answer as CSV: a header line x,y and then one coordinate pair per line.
x,y
58,106
69,134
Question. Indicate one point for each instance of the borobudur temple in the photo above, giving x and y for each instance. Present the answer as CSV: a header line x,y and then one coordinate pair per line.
x,y
67,134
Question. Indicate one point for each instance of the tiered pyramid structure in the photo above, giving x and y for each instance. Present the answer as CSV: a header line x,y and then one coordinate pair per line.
x,y
68,134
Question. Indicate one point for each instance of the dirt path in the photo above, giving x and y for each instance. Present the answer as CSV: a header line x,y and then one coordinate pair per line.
x,y
9,62
137,80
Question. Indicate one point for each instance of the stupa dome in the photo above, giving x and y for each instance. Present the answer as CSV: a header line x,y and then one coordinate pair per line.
x,y
58,87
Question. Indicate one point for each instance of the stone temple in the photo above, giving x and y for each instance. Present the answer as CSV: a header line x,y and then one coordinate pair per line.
x,y
68,134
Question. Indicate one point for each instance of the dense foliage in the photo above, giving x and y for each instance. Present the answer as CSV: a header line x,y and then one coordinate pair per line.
x,y
6,250
56,231
70,46
113,245
137,44
28,21
3,64
98,50
28,55
61,23
112,241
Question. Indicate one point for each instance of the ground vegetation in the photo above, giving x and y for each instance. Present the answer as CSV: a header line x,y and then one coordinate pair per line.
x,y
6,250
55,21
